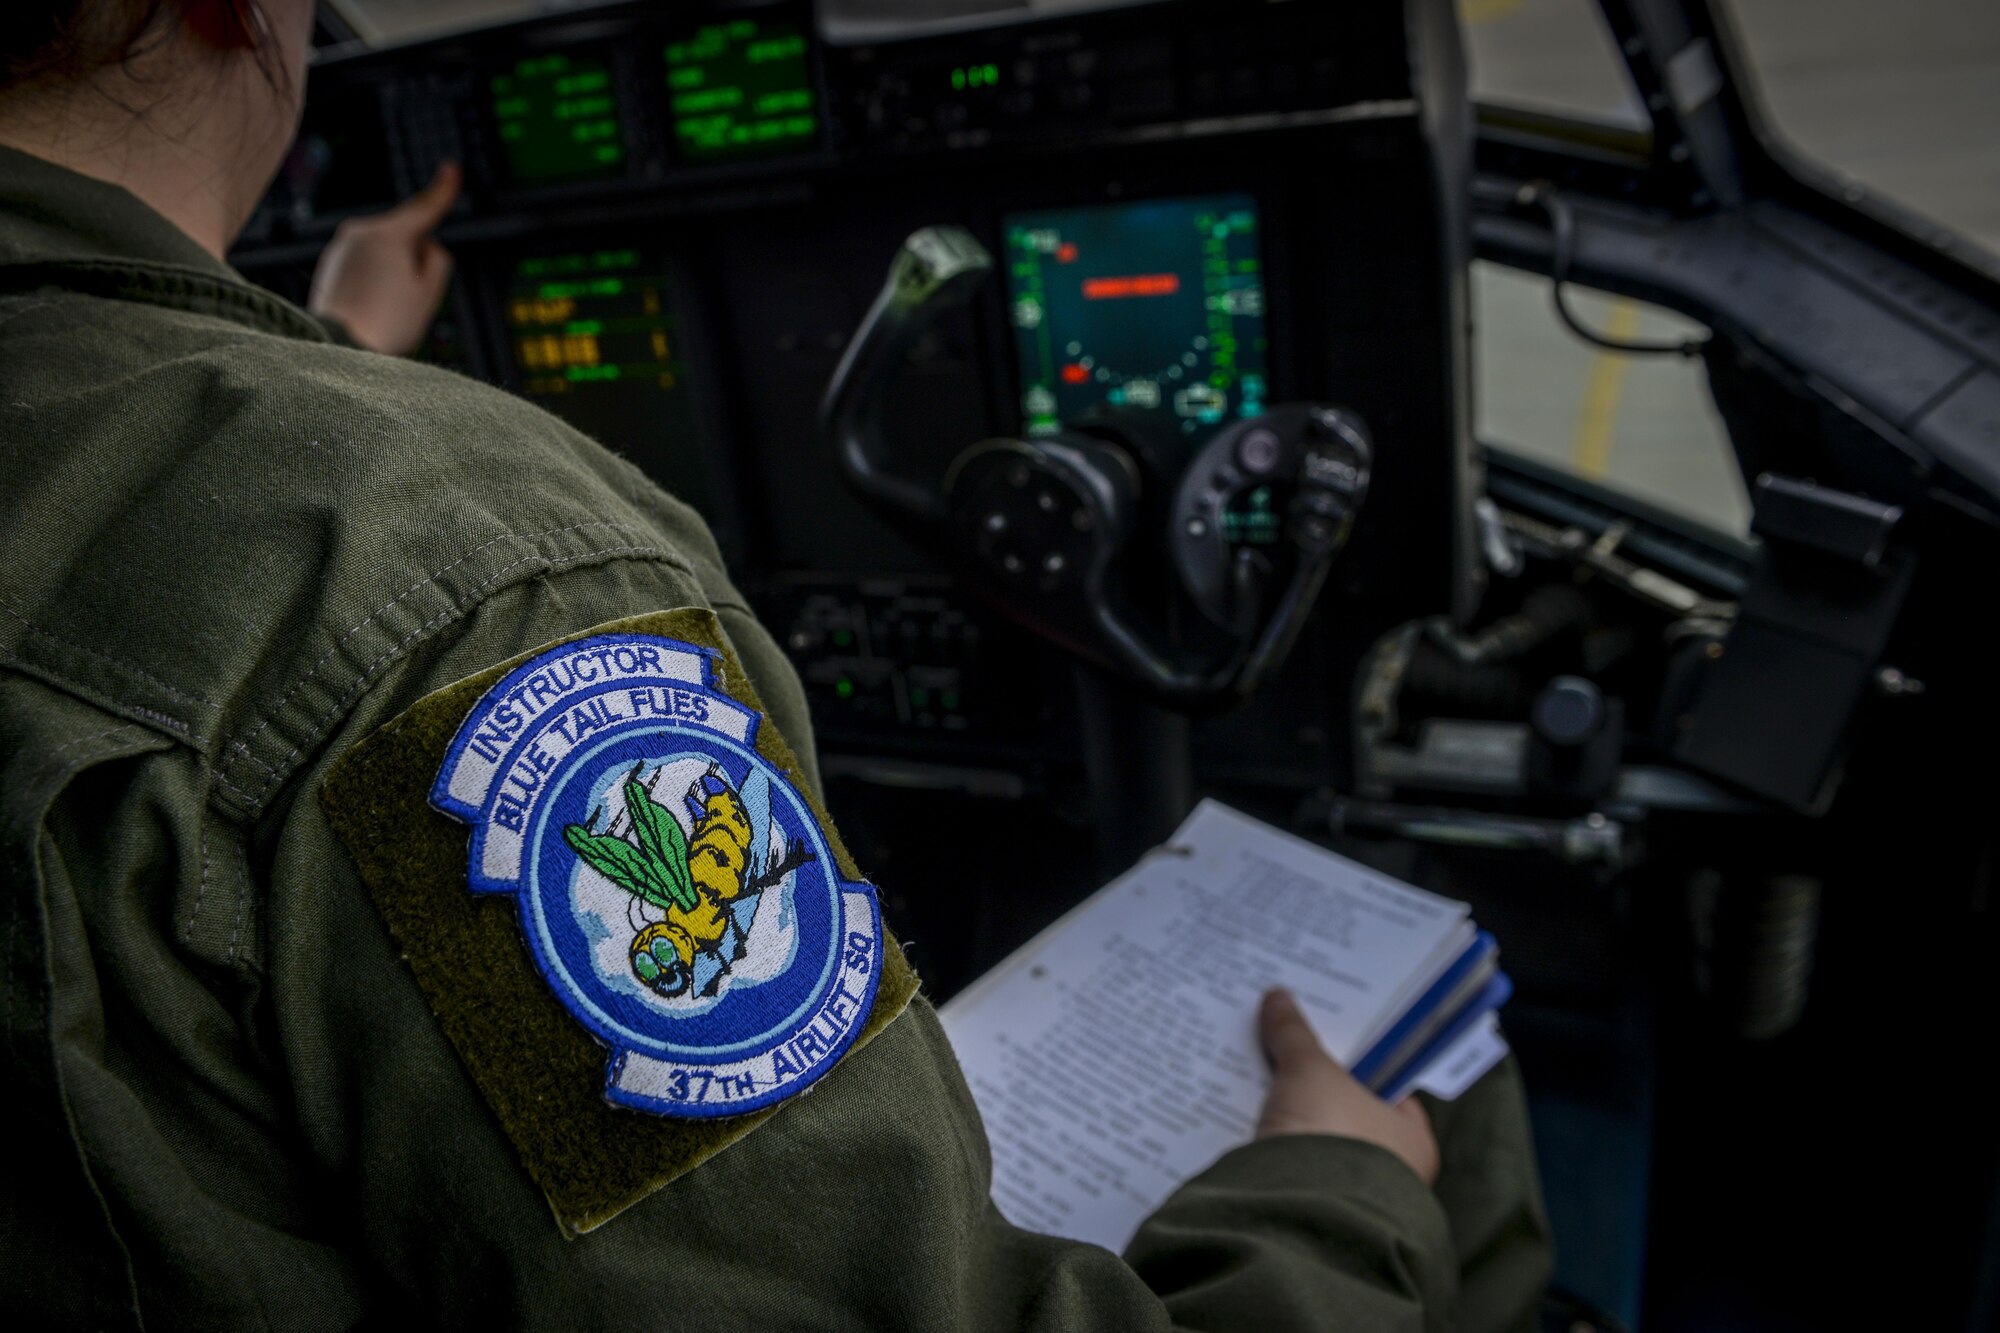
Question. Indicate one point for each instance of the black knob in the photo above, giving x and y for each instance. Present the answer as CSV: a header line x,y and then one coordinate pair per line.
x,y
1568,712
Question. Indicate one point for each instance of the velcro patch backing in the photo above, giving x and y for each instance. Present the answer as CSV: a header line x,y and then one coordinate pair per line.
x,y
539,1069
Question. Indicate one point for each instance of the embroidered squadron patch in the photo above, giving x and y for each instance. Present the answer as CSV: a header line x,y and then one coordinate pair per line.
x,y
676,891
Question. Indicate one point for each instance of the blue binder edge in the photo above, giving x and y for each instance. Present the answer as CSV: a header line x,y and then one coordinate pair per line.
x,y
1475,955
1496,993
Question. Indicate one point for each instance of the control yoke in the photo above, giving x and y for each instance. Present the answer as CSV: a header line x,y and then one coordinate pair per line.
x,y
1059,530
937,270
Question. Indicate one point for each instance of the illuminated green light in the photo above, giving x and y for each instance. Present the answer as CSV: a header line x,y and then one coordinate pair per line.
x,y
975,76
569,291
708,99
708,43
580,327
583,108
590,374
844,688
547,265
775,104
781,48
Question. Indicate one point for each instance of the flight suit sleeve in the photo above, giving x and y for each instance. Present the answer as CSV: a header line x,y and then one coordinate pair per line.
x,y
862,1203
1472,1253
1302,1231
1490,1188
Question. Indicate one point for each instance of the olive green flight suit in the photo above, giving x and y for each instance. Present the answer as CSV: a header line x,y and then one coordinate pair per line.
x,y
230,548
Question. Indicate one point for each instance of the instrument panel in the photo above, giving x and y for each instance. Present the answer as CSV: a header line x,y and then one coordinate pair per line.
x,y
672,222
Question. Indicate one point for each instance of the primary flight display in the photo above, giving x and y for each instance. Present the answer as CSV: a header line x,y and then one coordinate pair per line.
x,y
1154,306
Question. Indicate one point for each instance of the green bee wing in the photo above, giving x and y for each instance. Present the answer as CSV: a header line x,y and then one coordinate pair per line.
x,y
660,837
621,863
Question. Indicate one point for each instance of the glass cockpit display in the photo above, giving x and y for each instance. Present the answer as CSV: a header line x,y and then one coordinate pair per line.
x,y
740,89
596,341
557,118
1155,307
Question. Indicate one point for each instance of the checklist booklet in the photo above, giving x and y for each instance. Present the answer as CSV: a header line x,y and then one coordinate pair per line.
x,y
1115,1055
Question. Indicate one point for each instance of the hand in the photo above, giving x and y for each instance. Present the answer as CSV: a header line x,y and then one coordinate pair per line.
x,y
1311,1094
384,276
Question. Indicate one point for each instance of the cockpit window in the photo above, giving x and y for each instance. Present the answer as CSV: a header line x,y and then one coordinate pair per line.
x,y
1550,56
1904,98
1641,425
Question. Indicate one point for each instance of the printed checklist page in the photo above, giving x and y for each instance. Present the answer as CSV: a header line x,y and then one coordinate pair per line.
x,y
1115,1056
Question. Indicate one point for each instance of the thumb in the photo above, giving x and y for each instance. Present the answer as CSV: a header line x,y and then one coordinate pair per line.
x,y
421,213
1286,1035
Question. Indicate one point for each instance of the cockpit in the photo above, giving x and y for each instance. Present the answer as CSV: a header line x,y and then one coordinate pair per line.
x,y
1576,503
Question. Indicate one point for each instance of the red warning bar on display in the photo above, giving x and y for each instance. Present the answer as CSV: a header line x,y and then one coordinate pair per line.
x,y
1143,284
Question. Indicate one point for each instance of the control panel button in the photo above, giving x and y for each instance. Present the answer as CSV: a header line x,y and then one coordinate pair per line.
x,y
1260,451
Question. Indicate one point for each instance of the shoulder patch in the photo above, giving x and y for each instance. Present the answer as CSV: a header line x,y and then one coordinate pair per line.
x,y
677,894
651,912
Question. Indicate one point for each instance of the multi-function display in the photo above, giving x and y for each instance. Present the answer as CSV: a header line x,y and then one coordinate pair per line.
x,y
741,89
596,341
1156,307
557,119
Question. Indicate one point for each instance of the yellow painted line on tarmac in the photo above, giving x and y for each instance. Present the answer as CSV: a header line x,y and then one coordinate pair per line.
x,y
1597,422
1485,11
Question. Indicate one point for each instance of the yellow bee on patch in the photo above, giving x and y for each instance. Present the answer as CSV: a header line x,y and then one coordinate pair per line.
x,y
706,881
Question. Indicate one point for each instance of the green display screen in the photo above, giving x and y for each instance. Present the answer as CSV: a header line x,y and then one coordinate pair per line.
x,y
596,341
557,118
741,89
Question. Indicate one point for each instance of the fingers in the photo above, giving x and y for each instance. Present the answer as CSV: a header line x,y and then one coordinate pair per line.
x,y
434,265
421,213
1418,1145
1286,1035
1311,1093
